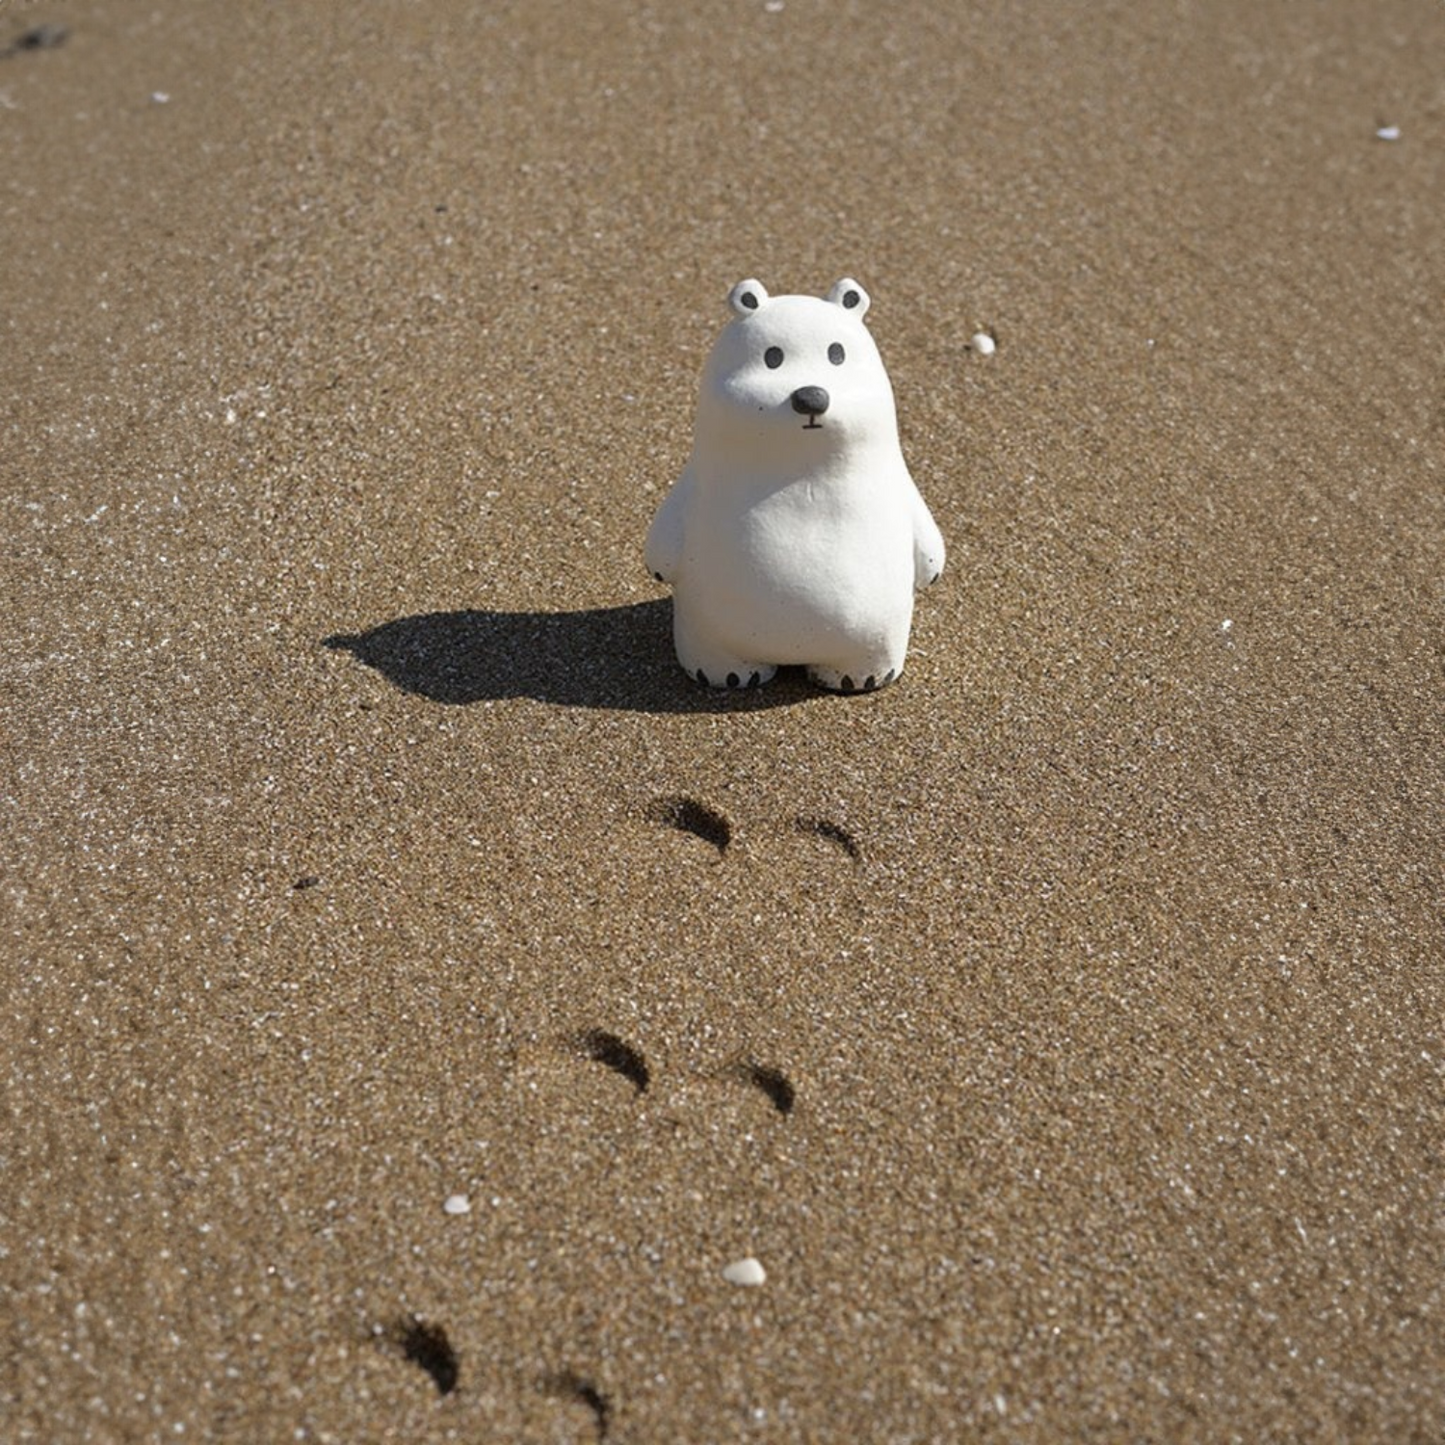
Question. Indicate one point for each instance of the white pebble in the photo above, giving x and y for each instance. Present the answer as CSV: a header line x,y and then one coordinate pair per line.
x,y
458,1204
1388,132
983,343
1226,624
745,1272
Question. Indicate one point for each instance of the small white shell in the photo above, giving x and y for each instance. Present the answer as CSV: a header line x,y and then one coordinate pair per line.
x,y
458,1204
745,1272
982,343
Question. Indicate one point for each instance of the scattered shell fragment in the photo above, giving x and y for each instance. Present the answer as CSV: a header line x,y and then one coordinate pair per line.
x,y
745,1272
458,1204
1388,132
982,343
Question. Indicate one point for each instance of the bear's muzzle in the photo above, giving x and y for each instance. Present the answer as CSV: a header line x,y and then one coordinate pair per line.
x,y
811,402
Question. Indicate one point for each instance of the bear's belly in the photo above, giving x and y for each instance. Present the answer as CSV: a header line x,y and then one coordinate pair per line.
x,y
803,574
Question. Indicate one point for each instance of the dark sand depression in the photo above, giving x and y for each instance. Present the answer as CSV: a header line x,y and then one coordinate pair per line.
x,y
1060,1027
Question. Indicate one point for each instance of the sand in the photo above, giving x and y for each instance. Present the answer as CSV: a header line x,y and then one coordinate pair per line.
x,y
1059,1028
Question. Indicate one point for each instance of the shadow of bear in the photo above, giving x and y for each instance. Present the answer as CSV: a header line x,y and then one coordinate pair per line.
x,y
619,658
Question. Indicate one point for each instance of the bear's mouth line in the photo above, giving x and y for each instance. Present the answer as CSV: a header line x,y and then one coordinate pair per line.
x,y
812,424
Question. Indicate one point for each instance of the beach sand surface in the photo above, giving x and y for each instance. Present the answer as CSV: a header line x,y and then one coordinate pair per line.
x,y
1060,1028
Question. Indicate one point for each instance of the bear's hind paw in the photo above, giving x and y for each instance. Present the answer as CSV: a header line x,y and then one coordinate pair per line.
x,y
735,676
860,680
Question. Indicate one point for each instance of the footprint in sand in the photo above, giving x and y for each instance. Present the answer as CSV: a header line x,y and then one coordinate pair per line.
x,y
615,1053
576,1389
688,815
425,1345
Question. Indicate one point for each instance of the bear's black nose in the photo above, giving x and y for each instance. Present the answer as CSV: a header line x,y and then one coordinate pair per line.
x,y
810,401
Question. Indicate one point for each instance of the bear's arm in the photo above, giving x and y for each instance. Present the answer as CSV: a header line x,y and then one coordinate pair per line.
x,y
663,552
928,551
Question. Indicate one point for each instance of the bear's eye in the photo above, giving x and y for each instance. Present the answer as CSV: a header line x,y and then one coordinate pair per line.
x,y
774,357
836,353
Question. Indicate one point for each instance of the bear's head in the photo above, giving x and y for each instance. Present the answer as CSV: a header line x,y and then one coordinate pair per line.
x,y
795,380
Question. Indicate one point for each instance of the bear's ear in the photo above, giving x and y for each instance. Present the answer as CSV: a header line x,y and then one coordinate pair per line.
x,y
748,296
848,294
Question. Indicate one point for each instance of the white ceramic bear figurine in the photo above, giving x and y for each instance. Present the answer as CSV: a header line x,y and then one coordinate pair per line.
x,y
795,533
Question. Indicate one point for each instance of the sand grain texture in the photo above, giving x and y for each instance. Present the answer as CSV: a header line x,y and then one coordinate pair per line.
x,y
363,846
